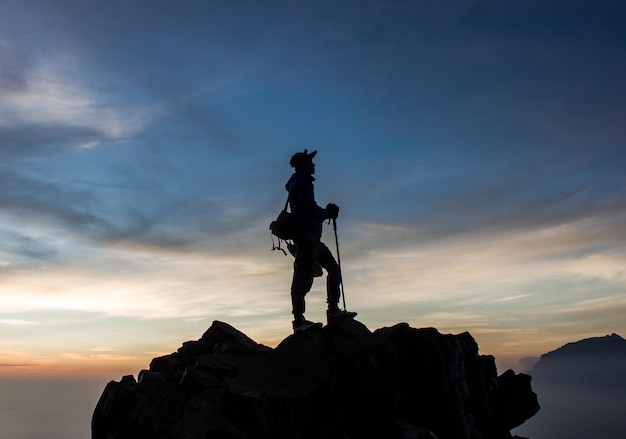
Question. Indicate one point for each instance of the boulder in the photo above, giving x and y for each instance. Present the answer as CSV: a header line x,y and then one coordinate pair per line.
x,y
340,381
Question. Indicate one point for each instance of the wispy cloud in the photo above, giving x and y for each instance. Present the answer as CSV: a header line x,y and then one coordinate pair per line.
x,y
18,322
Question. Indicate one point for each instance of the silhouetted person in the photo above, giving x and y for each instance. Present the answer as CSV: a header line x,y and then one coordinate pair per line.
x,y
308,248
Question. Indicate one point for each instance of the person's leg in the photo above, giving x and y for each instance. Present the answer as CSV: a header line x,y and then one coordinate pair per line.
x,y
333,280
333,284
306,253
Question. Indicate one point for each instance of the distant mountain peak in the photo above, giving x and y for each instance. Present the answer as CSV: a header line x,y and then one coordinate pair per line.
x,y
595,362
581,387
605,345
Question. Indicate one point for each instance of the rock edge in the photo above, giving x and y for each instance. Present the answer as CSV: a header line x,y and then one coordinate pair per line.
x,y
341,381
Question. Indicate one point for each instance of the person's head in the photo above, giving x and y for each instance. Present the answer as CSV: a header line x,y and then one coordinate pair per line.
x,y
303,162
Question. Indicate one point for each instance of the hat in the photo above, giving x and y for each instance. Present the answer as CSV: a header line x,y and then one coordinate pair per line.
x,y
301,157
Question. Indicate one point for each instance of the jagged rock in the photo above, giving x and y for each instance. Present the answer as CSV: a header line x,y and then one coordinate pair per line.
x,y
341,381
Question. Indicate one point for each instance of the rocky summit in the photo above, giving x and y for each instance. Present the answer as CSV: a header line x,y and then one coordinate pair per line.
x,y
341,381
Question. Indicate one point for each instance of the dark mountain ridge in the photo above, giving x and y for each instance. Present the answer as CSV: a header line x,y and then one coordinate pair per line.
x,y
582,387
596,362
608,345
338,382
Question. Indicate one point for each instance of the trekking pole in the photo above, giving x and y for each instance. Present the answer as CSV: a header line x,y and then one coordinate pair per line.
x,y
343,294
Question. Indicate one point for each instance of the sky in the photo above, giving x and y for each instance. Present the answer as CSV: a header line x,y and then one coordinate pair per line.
x,y
477,151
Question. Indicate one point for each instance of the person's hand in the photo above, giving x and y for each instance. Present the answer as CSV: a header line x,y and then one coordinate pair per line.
x,y
333,210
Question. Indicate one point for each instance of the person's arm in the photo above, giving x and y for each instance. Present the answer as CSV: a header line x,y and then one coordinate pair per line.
x,y
310,207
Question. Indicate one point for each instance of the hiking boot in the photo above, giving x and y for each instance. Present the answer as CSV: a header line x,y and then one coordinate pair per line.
x,y
304,325
332,314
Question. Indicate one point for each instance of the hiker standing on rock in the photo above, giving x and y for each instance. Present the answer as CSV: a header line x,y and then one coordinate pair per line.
x,y
309,250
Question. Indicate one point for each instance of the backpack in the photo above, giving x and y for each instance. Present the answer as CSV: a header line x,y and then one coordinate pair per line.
x,y
284,227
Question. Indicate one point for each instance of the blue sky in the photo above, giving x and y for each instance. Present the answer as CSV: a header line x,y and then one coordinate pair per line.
x,y
476,150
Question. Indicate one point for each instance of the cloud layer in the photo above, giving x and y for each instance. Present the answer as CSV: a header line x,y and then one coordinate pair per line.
x,y
476,151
